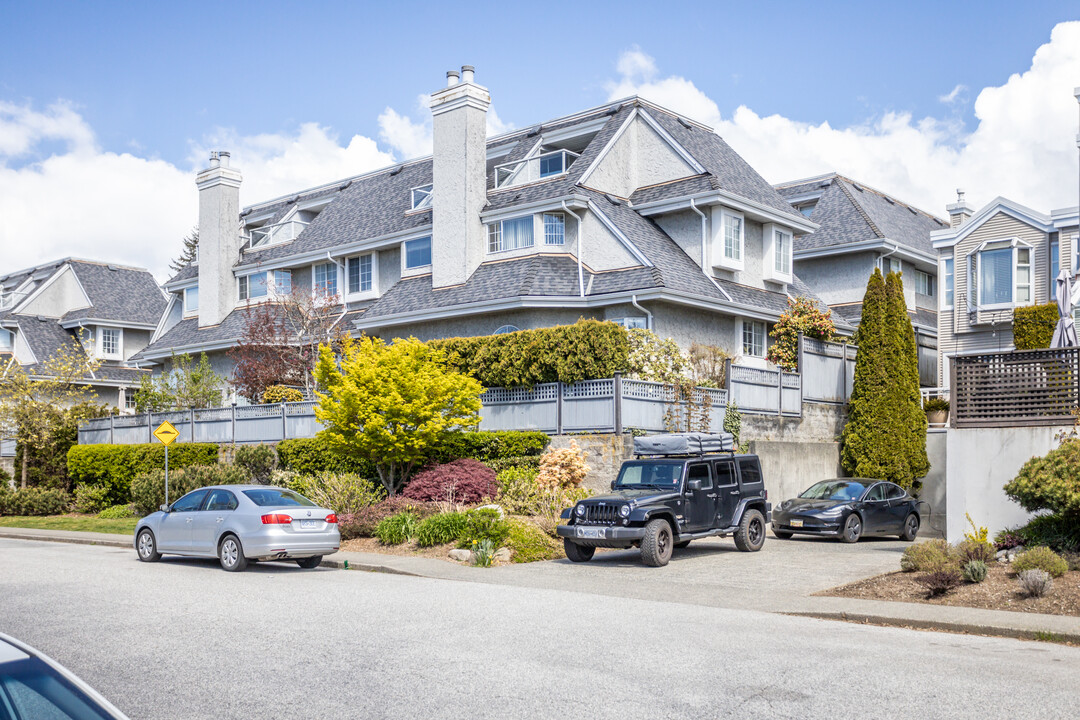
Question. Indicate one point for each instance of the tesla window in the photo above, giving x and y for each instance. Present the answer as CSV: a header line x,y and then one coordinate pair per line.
x,y
275,497
835,490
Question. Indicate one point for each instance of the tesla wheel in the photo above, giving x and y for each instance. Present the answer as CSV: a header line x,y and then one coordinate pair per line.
x,y
751,533
309,563
681,545
911,528
577,553
147,546
852,529
231,554
657,544
782,534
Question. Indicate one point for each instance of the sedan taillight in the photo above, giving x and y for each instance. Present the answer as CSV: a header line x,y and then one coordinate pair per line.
x,y
331,518
276,519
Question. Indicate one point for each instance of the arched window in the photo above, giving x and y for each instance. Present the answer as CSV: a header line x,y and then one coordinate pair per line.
x,y
506,329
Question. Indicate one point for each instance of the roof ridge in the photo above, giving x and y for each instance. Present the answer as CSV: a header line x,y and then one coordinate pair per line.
x,y
859,207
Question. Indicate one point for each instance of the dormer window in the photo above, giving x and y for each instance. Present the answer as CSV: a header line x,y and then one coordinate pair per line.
x,y
110,342
191,300
540,166
782,252
274,283
421,197
1003,274
7,341
778,246
360,276
417,253
511,234
728,238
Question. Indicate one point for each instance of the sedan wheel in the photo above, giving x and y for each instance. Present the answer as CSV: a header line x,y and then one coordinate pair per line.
x,y
147,547
231,554
852,529
911,528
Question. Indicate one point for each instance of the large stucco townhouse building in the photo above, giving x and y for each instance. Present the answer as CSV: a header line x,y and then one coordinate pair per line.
x,y
626,212
862,228
992,261
109,311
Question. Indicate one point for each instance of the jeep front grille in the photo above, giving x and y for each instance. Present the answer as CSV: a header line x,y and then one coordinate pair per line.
x,y
600,514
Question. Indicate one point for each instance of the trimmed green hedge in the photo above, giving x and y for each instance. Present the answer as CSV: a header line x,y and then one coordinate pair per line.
x,y
114,466
1033,326
310,456
586,350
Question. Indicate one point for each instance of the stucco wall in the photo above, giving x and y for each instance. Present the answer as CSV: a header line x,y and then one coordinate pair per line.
x,y
934,487
684,227
601,250
62,295
134,341
639,158
687,325
837,279
790,467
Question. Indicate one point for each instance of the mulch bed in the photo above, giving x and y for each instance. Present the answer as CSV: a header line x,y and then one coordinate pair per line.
x,y
372,545
999,591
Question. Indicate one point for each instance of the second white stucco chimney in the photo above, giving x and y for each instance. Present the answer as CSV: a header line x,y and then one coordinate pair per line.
x,y
219,238
959,212
459,167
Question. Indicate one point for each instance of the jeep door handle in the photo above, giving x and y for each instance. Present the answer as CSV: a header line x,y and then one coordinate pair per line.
x,y
712,495
735,492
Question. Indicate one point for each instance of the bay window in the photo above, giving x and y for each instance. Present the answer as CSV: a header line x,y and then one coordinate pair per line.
x,y
733,237
272,283
782,252
1003,274
513,234
110,343
554,229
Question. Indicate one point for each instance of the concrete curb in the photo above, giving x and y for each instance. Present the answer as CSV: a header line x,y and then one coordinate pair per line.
x,y
366,567
108,542
940,625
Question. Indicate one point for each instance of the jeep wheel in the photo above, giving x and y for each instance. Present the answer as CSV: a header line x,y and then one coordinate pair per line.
x,y
577,553
681,545
751,533
657,544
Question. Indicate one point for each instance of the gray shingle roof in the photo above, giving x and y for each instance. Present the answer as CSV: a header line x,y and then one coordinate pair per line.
x,y
45,337
187,272
678,188
852,313
118,293
849,212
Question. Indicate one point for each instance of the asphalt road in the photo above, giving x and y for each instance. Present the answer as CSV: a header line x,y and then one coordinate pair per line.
x,y
183,639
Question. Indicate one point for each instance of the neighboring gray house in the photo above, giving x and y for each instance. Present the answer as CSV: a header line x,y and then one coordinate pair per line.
x,y
861,228
626,212
992,261
110,309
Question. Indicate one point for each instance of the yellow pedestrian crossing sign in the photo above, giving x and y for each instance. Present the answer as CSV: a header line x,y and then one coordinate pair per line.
x,y
166,433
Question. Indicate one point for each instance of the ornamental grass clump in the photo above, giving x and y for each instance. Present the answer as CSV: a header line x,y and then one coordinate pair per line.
x,y
1035,583
441,529
1041,558
397,529
929,556
974,571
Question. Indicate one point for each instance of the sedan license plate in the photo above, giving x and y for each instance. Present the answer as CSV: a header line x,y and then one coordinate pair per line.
x,y
309,524
594,533
796,523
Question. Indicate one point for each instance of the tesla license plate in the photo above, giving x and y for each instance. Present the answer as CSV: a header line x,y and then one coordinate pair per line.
x,y
309,524
796,523
594,533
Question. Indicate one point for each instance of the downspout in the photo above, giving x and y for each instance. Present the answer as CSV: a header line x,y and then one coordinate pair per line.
x,y
344,307
704,231
580,246
648,315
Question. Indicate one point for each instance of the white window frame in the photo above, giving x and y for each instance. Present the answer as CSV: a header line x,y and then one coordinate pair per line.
x,y
497,234
721,217
424,193
923,277
779,244
274,288
891,264
371,292
191,311
549,238
321,297
7,341
118,354
632,322
1016,245
752,326
405,253
129,399
948,275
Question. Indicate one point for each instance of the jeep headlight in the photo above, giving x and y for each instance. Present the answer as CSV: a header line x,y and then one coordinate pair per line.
x,y
580,510
624,511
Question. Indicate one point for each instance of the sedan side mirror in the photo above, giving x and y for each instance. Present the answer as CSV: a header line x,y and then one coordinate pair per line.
x,y
163,508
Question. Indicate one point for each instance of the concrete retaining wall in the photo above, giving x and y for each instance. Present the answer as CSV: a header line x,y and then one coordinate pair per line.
x,y
791,467
933,485
820,422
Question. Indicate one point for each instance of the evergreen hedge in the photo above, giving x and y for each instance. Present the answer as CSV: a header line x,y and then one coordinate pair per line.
x,y
586,350
1033,326
114,466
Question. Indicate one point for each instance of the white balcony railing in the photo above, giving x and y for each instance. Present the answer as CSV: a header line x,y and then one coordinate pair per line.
x,y
274,234
535,168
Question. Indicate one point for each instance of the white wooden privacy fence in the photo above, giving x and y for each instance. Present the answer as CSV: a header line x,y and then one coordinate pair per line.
x,y
608,405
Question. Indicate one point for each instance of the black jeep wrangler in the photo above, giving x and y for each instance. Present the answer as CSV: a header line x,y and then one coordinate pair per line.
x,y
663,501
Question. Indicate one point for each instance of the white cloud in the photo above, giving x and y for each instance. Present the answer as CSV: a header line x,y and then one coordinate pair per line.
x,y
1022,145
957,93
413,138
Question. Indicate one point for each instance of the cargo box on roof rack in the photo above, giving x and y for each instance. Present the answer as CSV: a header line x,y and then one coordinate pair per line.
x,y
684,444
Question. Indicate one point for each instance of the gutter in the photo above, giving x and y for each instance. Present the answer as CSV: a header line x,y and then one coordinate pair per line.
x,y
580,248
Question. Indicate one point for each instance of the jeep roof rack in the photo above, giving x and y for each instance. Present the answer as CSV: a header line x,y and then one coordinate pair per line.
x,y
684,444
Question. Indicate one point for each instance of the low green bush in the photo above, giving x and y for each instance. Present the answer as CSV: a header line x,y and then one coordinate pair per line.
x,y
441,529
967,550
974,571
523,461
483,524
34,501
91,499
1050,482
148,489
518,490
115,466
117,512
364,523
344,493
259,460
309,456
1033,325
528,543
486,446
1060,532
397,529
1041,558
928,556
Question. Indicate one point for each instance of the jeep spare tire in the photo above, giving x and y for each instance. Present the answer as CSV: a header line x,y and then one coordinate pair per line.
x,y
657,544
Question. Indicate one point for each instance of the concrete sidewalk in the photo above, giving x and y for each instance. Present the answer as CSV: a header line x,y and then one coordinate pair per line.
x,y
780,580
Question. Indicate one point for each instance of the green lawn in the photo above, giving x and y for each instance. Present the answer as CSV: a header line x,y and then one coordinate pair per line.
x,y
86,523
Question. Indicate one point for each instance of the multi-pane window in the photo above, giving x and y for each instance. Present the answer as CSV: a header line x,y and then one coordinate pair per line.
x,y
1055,264
262,284
948,272
421,197
129,399
632,322
191,300
110,341
417,253
782,252
753,338
924,283
360,272
996,276
889,264
554,229
510,234
282,282
733,236
325,281
1023,276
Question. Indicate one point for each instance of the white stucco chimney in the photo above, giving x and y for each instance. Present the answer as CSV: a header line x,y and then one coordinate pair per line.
x,y
959,212
459,119
219,238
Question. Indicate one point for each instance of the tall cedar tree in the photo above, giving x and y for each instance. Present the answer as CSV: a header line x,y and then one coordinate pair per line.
x,y
908,401
189,253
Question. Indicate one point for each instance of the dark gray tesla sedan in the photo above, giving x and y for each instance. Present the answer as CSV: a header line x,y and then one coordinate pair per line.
x,y
848,509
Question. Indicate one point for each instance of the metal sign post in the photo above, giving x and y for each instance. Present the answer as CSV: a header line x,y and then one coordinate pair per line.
x,y
167,434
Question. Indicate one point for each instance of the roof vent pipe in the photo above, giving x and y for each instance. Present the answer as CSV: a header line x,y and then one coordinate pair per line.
x,y
452,78
467,73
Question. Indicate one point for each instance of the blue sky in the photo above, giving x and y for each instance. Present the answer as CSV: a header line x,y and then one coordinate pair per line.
x,y
162,82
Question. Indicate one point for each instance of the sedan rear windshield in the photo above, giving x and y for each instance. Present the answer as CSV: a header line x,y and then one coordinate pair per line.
x,y
650,474
273,497
835,490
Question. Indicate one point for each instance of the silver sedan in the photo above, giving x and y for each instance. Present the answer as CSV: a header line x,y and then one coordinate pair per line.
x,y
240,523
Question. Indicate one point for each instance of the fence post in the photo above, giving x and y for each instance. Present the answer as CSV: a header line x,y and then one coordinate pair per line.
x,y
191,423
954,396
799,355
112,429
617,397
727,381
233,424
843,376
284,423
149,426
779,391
558,407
